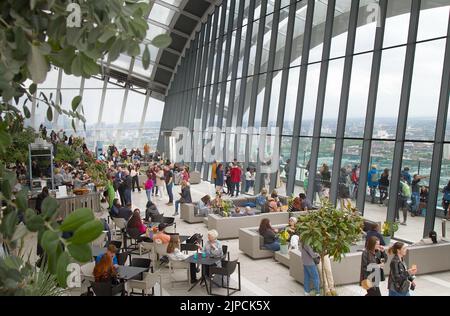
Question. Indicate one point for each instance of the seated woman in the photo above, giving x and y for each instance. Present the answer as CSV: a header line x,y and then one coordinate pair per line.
x,y
270,238
213,247
274,195
185,196
174,254
272,205
135,222
261,200
151,212
249,211
204,206
291,229
104,270
237,212
431,240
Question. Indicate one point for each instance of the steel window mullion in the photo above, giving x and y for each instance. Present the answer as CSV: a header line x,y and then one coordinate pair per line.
x,y
208,74
234,69
57,96
255,84
321,97
343,106
245,66
102,104
268,89
371,107
284,80
196,79
403,110
223,91
438,148
301,95
144,114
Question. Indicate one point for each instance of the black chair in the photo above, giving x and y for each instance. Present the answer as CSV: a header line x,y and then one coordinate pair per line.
x,y
188,247
158,218
122,257
225,252
227,269
141,263
107,288
168,220
135,236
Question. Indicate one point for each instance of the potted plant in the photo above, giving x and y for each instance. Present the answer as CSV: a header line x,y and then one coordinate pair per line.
x,y
227,205
284,237
330,232
388,231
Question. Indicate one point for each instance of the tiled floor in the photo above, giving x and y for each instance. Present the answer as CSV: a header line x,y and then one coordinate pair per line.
x,y
266,277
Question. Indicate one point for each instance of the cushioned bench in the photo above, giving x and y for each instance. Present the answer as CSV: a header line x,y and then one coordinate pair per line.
x,y
187,213
194,177
228,227
429,258
251,243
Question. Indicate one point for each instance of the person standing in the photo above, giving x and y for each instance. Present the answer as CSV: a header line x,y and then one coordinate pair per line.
x,y
310,270
159,181
214,172
404,196
384,186
286,173
149,187
415,194
168,176
127,187
401,279
373,254
134,173
406,175
236,174
446,200
248,179
219,178
373,183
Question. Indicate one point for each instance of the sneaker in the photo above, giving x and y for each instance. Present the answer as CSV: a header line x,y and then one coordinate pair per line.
x,y
307,294
403,223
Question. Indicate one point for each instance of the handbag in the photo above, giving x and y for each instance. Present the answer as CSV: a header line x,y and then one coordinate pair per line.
x,y
316,260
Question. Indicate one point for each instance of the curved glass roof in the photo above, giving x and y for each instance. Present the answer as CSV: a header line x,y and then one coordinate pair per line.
x,y
179,19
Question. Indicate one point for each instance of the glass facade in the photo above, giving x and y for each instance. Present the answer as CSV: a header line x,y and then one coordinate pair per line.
x,y
347,83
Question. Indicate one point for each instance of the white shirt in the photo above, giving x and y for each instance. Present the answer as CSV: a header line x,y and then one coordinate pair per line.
x,y
248,176
133,173
177,255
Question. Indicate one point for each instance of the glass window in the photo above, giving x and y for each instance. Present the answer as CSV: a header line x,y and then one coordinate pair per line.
x,y
266,43
388,101
367,23
299,29
318,31
433,22
291,101
358,95
281,40
301,172
332,97
397,25
274,99
161,14
309,107
425,90
260,100
340,28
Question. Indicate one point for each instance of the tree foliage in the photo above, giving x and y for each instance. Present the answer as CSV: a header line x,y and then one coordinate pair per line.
x,y
330,231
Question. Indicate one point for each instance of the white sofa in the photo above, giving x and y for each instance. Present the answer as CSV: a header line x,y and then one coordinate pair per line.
x,y
251,242
187,213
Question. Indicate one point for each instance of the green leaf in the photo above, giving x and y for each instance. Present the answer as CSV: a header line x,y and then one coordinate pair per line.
x,y
5,141
22,200
81,253
49,114
61,269
32,88
73,126
50,241
107,34
162,41
26,111
133,49
77,66
6,189
87,232
49,207
33,221
146,58
76,219
37,65
8,225
115,50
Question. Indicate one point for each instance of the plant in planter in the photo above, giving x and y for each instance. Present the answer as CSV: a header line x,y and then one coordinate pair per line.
x,y
283,238
388,230
330,231
226,208
98,171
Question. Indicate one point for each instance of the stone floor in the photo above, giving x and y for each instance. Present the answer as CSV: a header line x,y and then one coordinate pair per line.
x,y
266,277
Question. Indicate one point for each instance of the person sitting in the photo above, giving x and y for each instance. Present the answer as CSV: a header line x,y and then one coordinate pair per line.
x,y
104,270
274,195
374,230
110,251
151,212
174,253
237,212
272,205
204,206
161,234
291,229
213,247
119,211
261,200
249,211
217,203
135,222
271,241
185,196
305,203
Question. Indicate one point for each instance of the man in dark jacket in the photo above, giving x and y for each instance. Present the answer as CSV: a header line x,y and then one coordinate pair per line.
x,y
127,184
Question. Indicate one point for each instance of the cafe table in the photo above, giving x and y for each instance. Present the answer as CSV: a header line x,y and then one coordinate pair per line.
x,y
205,262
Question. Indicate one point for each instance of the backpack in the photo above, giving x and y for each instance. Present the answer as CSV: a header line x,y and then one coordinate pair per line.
x,y
374,177
406,191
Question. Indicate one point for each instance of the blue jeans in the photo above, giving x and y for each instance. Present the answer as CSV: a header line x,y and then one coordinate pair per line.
x,y
177,205
247,185
415,197
235,188
149,195
169,192
275,246
311,273
395,293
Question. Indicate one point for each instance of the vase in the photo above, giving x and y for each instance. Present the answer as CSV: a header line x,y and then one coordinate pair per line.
x,y
284,249
387,240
